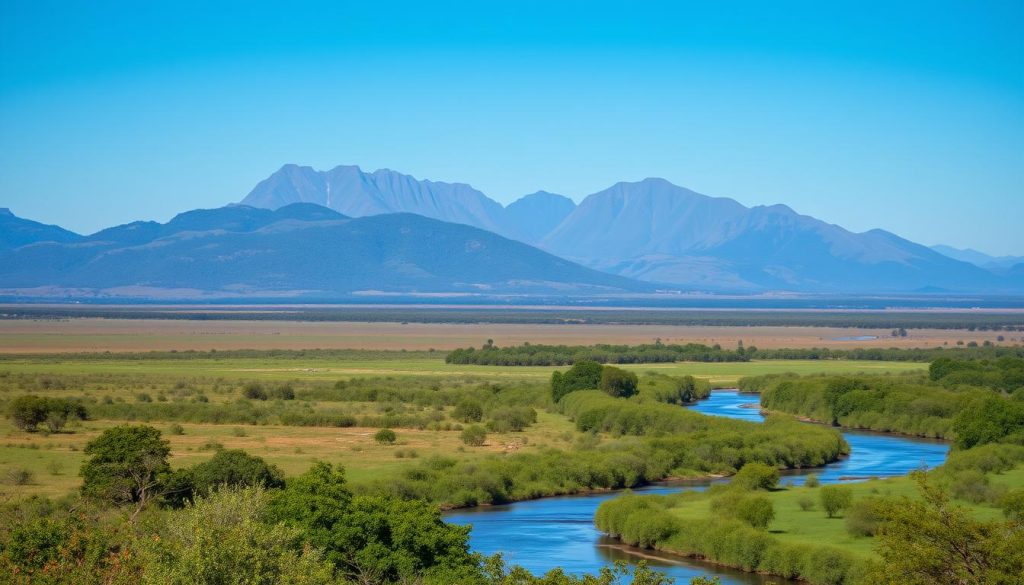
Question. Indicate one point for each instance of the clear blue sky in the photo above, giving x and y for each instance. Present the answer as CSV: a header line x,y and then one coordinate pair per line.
x,y
903,115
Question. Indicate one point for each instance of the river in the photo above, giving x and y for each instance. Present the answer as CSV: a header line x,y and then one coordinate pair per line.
x,y
559,532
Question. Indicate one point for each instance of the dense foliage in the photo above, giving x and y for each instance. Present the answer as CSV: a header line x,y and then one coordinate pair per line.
x,y
940,405
560,355
28,412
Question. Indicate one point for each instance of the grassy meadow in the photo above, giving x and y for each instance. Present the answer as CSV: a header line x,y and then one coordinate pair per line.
x,y
197,401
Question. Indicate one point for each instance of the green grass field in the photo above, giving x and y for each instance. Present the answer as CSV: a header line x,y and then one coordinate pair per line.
x,y
53,459
416,364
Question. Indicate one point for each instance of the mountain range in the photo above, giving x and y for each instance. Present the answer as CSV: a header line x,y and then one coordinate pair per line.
x,y
308,234
299,251
655,231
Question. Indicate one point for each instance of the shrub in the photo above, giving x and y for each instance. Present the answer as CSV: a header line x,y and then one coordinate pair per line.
x,y
283,392
176,429
756,511
756,476
511,419
18,476
865,516
254,391
1012,504
812,481
835,498
468,410
583,375
971,485
385,437
805,502
28,412
618,382
474,435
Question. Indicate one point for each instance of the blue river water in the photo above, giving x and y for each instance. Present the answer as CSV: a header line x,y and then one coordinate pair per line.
x,y
559,532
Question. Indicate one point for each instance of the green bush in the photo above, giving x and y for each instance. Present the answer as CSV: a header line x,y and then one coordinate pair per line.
x,y
835,498
29,411
618,382
385,437
583,375
254,391
756,476
468,410
812,481
866,516
474,435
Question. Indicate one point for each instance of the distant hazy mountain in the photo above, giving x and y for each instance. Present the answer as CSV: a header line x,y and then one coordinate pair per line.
x,y
297,251
15,231
533,216
350,191
654,230
995,263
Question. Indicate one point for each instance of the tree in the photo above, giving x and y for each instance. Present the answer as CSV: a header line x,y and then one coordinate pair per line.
x,y
756,511
987,421
385,437
374,539
618,382
28,412
583,375
928,541
468,410
474,436
835,498
227,468
224,538
126,465
756,476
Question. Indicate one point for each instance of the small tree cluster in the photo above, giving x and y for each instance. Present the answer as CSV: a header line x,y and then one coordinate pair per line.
x,y
28,412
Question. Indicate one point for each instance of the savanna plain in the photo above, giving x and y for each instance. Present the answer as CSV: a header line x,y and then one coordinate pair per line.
x,y
123,432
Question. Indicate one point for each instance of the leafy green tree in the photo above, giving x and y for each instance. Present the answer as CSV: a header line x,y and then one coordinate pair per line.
x,y
583,375
756,511
468,410
1012,504
126,465
374,539
225,538
988,421
227,468
928,541
756,476
474,435
385,437
618,382
28,412
835,499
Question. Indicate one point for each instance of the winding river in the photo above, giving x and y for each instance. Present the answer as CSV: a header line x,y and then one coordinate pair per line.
x,y
559,532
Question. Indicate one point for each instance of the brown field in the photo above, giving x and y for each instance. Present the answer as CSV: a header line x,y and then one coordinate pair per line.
x,y
126,335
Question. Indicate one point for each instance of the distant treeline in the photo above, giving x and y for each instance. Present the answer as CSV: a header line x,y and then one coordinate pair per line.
x,y
214,354
560,355
753,317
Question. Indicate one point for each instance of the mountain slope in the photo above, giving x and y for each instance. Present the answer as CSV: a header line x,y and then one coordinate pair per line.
x,y
994,263
533,216
16,232
349,190
656,231
296,251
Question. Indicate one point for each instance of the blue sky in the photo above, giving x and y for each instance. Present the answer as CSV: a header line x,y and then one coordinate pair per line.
x,y
906,117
